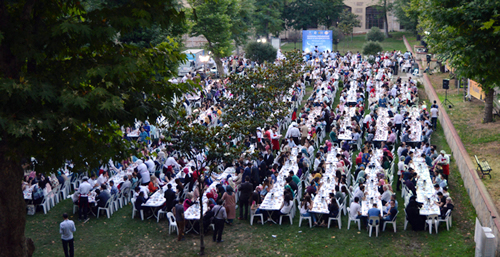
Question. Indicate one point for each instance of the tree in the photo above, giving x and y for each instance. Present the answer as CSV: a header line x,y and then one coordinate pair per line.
x,y
242,19
372,48
268,18
407,18
305,14
212,20
337,36
469,43
257,99
385,6
260,52
375,35
67,86
294,36
348,21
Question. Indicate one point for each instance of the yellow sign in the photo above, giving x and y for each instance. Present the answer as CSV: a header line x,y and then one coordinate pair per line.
x,y
475,90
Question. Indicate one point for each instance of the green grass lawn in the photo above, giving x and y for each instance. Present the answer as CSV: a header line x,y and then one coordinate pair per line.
x,y
356,44
123,236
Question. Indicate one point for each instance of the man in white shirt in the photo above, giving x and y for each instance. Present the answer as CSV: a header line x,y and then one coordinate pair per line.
x,y
66,229
144,172
151,164
295,134
83,205
138,190
355,209
93,181
434,116
103,178
171,161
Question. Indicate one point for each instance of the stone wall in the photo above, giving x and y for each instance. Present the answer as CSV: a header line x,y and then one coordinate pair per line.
x,y
480,198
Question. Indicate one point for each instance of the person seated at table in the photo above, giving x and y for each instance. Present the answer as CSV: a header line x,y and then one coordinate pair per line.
x,y
410,183
447,206
125,184
188,201
139,189
339,195
305,209
445,192
441,200
437,189
154,184
103,178
75,197
333,211
386,195
416,221
374,212
112,188
255,200
285,208
207,218
92,181
139,201
389,216
360,192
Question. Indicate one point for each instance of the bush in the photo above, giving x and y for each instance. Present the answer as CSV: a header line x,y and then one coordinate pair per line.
x,y
372,48
260,52
375,34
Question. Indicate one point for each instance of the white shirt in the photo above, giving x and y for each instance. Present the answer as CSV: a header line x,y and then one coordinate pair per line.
x,y
151,165
66,229
355,208
398,118
172,162
101,180
434,112
295,132
143,170
84,188
142,189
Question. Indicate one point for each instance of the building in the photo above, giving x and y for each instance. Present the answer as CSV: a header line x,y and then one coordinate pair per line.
x,y
370,16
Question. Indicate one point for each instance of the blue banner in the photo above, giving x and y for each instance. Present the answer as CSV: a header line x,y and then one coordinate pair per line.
x,y
316,39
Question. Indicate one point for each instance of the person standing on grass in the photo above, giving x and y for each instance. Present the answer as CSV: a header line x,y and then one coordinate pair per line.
x,y
178,211
66,229
434,115
220,216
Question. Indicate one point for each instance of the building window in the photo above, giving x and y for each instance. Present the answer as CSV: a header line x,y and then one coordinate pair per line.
x,y
374,17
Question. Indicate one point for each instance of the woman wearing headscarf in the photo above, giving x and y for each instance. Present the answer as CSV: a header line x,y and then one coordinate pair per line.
x,y
416,221
230,204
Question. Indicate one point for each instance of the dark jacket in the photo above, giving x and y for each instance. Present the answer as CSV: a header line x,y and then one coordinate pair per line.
x,y
170,199
246,190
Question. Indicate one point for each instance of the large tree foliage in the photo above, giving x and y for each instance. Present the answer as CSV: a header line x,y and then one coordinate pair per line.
x,y
268,18
305,14
348,21
257,100
242,20
464,33
212,20
406,17
385,6
260,52
67,85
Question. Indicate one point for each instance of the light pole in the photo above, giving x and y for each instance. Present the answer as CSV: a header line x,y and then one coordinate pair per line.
x,y
204,60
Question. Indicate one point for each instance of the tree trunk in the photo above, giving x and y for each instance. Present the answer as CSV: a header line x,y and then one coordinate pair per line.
x,y
12,207
386,25
200,200
488,105
220,68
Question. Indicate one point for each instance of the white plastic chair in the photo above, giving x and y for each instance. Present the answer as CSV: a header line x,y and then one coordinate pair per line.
x,y
253,215
134,209
106,208
305,218
406,219
392,222
289,214
447,220
337,219
375,222
432,220
160,212
351,219
172,223
45,204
